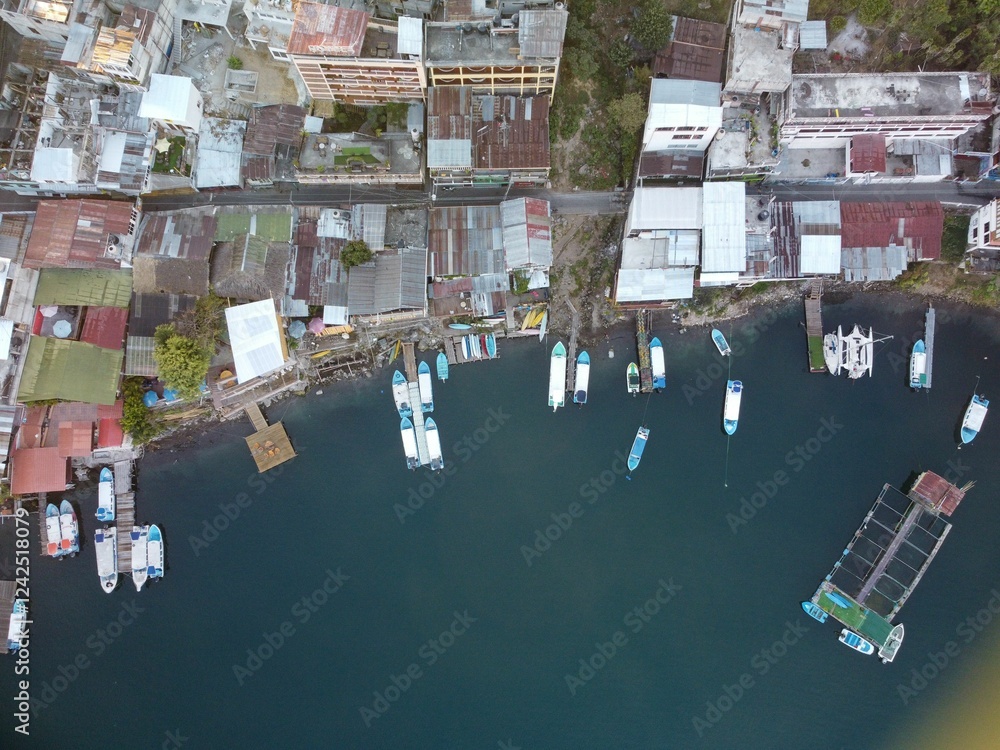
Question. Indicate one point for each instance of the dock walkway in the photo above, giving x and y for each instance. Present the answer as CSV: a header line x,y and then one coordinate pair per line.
x,y
929,343
423,453
642,343
43,534
253,411
269,444
7,591
410,362
125,520
814,326
571,355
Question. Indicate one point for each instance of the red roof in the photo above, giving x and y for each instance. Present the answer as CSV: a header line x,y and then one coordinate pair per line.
x,y
105,327
74,233
868,153
321,29
76,439
112,411
110,433
937,492
38,470
917,225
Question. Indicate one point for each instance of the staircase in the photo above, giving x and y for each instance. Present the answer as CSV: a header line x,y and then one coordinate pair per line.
x,y
175,51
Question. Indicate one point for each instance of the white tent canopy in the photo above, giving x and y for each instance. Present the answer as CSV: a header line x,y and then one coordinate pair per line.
x,y
256,339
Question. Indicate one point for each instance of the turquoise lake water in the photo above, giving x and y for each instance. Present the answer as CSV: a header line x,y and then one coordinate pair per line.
x,y
399,610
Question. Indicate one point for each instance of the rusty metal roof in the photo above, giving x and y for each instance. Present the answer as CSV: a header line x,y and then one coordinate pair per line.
x,y
273,125
327,30
868,153
105,326
74,233
696,52
937,492
915,225
449,113
671,164
38,470
513,134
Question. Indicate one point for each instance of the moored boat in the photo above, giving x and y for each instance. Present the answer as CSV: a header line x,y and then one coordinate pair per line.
x,y
855,641
815,611
433,444
857,349
491,345
53,533
720,342
972,422
106,496
582,378
69,529
442,366
466,348
557,376
17,628
657,364
632,378
888,650
426,387
638,446
139,538
918,365
154,552
831,351
731,412
401,394
409,443
106,546
543,326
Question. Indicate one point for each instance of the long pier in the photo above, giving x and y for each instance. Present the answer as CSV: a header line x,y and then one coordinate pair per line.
x,y
642,343
814,326
124,513
571,355
420,430
410,362
929,323
7,591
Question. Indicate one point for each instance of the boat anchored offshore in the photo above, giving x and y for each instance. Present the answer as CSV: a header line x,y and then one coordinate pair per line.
x,y
401,394
557,376
409,443
582,378
17,628
831,351
972,423
855,641
632,378
139,539
918,365
154,552
433,444
106,496
52,531
442,366
638,446
720,342
69,529
426,387
731,412
657,363
106,545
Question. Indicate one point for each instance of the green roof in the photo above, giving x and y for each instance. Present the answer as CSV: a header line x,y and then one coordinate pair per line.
x,y
228,226
84,286
69,370
272,227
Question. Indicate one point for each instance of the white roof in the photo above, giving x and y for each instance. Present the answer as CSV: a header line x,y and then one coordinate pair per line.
x,y
334,315
678,247
655,284
6,332
220,149
255,338
313,124
217,169
334,222
55,165
455,152
527,240
410,40
664,208
681,116
112,151
678,91
718,279
221,134
173,100
820,253
724,238
812,35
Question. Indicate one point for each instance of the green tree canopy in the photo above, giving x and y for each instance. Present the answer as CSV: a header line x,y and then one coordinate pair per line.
x,y
135,419
628,112
182,362
355,253
653,27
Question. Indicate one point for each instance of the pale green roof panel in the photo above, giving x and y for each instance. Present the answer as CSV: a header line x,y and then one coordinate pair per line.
x,y
69,370
84,286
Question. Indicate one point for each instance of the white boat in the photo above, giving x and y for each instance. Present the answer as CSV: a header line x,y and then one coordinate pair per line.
x,y
409,443
918,365
106,545
855,641
857,350
720,343
477,346
401,394
731,412
154,552
582,378
466,348
69,529
887,652
18,626
106,496
657,364
433,444
140,564
831,351
544,326
557,376
972,422
426,387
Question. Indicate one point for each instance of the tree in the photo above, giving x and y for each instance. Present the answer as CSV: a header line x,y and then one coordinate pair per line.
x,y
621,53
355,253
234,63
628,113
653,27
181,361
135,416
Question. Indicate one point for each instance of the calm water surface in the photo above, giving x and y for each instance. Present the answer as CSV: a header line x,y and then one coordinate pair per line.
x,y
349,603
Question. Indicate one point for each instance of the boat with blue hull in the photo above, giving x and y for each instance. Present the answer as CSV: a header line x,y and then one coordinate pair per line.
x,y
720,342
433,445
855,641
154,552
658,365
459,326
491,345
972,422
106,496
731,412
425,386
401,394
69,528
638,446
442,367
918,365
815,611
582,378
409,443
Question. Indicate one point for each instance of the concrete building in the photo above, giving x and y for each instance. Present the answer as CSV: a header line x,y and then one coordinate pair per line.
x,y
764,36
173,103
984,228
683,118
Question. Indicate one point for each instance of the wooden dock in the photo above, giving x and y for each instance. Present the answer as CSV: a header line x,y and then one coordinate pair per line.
x,y
420,431
7,590
269,445
929,323
571,353
43,533
124,513
410,361
642,344
814,326
256,417
449,350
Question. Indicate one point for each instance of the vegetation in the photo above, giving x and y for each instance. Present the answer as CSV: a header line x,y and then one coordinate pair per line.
x,y
169,161
355,253
653,26
181,361
234,63
955,238
520,282
136,420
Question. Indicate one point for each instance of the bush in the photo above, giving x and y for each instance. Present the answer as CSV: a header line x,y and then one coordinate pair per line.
x,y
872,12
182,362
234,63
837,24
955,238
355,253
621,53
135,416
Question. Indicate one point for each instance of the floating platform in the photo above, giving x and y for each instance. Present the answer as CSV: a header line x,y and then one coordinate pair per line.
x,y
269,445
642,344
929,324
814,326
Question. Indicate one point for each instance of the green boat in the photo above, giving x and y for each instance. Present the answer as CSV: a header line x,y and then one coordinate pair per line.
x,y
632,378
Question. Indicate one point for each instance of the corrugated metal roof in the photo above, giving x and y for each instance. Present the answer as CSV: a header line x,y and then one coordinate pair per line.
x,y
6,334
465,241
105,327
654,285
671,91
513,133
321,29
676,248
915,225
148,311
812,35
671,164
361,290
868,153
445,154
696,51
724,238
527,233
273,125
873,263
38,470
69,370
540,32
256,339
411,36
820,254
110,433
369,224
139,356
79,286
810,214
75,233
655,208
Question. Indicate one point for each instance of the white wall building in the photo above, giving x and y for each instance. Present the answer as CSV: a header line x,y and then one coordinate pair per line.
x,y
683,115
172,102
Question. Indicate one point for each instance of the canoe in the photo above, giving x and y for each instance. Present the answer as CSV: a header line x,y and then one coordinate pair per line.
x,y
459,326
491,345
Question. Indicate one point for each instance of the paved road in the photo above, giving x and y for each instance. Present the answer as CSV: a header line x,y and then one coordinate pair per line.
x,y
970,194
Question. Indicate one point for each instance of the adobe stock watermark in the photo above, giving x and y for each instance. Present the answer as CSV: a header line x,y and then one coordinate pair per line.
x,y
796,459
462,451
591,491
761,663
173,740
634,620
966,632
899,357
706,378
427,656
301,612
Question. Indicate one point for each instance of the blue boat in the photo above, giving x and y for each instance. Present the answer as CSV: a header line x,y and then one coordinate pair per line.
x,y
814,611
442,367
459,326
731,412
409,443
401,394
582,379
918,365
491,345
974,416
106,496
658,364
425,386
855,641
638,446
154,552
838,600
52,531
720,343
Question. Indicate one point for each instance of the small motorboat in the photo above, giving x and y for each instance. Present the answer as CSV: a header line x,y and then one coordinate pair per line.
x,y
855,641
632,378
720,342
